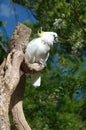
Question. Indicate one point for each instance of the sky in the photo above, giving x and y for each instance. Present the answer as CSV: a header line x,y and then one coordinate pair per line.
x,y
11,13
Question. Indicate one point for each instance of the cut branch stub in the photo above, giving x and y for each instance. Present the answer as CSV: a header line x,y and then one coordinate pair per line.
x,y
20,37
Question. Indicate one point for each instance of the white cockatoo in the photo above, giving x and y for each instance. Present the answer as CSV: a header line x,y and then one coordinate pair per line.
x,y
37,51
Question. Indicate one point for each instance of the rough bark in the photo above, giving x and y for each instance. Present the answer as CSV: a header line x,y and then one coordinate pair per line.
x,y
12,80
9,78
16,106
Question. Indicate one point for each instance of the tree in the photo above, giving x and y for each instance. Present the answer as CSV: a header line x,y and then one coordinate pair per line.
x,y
56,95
12,80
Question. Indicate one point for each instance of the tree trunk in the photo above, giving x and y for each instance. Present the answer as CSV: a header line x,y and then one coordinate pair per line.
x,y
9,78
16,106
12,80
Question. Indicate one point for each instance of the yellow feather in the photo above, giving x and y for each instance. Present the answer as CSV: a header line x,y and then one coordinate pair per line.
x,y
41,33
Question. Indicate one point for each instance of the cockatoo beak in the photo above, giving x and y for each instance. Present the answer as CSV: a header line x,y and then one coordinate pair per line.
x,y
55,40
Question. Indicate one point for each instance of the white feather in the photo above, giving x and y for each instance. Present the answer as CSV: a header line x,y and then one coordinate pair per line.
x,y
36,79
38,51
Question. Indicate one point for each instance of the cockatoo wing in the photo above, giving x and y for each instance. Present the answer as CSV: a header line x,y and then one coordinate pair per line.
x,y
36,79
31,50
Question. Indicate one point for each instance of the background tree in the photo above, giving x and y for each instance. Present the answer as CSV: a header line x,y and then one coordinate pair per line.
x,y
65,75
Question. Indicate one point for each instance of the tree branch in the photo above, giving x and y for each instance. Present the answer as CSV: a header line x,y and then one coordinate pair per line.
x,y
12,80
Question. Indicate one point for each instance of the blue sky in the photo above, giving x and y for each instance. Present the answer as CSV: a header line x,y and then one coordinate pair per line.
x,y
11,13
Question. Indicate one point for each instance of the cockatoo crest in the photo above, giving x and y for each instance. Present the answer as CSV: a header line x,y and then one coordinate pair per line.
x,y
41,33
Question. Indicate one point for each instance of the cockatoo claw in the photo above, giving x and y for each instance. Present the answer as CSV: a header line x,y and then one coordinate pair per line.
x,y
42,62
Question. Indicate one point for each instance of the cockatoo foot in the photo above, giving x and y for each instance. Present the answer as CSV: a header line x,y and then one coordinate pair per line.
x,y
42,62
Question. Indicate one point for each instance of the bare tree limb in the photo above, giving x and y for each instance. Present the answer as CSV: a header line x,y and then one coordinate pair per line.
x,y
12,80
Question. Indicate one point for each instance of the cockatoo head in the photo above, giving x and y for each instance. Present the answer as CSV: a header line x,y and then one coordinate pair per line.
x,y
48,37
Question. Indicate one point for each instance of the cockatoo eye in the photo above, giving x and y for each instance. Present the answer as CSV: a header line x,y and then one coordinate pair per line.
x,y
55,39
54,36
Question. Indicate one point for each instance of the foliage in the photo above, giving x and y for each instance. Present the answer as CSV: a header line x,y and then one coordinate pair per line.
x,y
73,16
55,105
52,105
2,55
2,24
71,12
72,25
3,44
